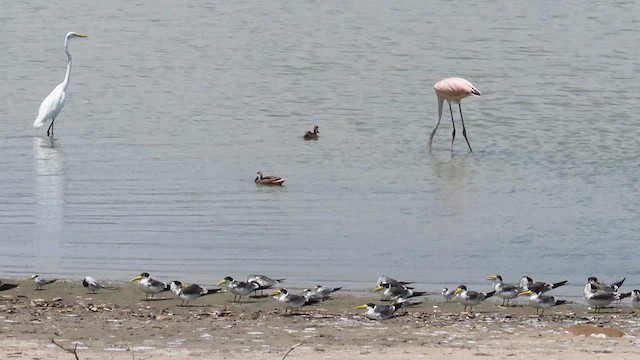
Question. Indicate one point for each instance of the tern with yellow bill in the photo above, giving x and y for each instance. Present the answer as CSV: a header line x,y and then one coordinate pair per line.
x,y
239,288
290,301
504,291
319,293
384,279
150,286
541,302
470,298
599,299
264,281
390,291
188,293
379,312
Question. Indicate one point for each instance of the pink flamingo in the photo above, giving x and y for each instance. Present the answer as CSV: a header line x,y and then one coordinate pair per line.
x,y
453,90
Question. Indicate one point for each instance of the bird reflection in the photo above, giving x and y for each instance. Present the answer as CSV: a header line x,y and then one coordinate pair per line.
x,y
451,177
49,162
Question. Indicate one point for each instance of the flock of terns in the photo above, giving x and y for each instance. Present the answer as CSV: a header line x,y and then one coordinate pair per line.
x,y
596,293
253,284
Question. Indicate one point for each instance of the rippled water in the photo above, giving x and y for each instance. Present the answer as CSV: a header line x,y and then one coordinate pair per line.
x,y
173,107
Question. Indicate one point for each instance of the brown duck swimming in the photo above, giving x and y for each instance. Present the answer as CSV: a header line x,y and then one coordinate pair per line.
x,y
268,180
312,135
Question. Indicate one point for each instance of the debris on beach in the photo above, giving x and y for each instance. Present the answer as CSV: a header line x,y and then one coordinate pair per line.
x,y
590,330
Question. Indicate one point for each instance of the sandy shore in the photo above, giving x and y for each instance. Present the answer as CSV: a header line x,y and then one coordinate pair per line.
x,y
119,324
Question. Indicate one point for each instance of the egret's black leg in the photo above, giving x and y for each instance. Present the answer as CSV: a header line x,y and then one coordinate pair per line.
x,y
51,128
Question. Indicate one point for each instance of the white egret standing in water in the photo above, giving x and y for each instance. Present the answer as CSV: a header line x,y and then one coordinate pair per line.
x,y
53,103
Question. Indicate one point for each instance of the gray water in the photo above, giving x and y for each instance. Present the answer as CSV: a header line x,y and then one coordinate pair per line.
x,y
173,107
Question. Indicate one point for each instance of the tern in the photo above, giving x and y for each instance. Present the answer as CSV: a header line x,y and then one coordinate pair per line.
x,y
379,312
604,287
319,293
470,298
398,290
239,288
527,283
188,293
448,294
406,302
150,286
93,285
599,298
40,282
264,281
504,291
635,300
5,286
541,302
291,301
384,279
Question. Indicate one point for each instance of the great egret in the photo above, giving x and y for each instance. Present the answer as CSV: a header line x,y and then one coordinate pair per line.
x,y
53,103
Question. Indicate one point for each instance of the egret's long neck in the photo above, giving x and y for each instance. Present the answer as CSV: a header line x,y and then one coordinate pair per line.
x,y
65,83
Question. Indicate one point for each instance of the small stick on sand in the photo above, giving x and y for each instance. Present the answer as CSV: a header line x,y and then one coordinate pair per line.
x,y
133,356
74,351
293,347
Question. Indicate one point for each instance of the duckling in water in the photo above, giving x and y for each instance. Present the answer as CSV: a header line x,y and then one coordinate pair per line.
x,y
312,135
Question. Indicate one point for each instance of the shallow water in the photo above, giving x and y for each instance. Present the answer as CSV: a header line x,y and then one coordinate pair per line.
x,y
173,107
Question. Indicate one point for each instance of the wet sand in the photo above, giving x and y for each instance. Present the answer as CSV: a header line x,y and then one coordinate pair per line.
x,y
120,324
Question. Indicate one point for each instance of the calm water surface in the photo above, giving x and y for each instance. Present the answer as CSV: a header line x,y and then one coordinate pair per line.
x,y
173,107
